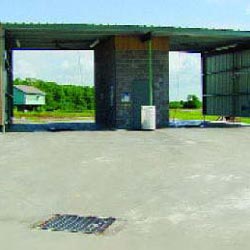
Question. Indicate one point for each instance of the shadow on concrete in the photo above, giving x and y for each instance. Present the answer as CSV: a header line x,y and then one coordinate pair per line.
x,y
205,124
91,126
55,127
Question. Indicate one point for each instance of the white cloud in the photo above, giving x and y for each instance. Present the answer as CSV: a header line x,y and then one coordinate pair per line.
x,y
65,65
75,67
182,61
185,75
25,68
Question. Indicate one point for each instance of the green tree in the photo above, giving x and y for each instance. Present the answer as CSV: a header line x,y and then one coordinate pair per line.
x,y
192,102
62,97
176,105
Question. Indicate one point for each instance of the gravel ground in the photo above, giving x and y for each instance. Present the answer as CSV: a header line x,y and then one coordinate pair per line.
x,y
170,189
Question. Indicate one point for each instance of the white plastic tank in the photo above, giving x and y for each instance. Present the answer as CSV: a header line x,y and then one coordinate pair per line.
x,y
148,117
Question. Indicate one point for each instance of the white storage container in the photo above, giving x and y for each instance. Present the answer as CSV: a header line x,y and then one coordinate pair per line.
x,y
148,117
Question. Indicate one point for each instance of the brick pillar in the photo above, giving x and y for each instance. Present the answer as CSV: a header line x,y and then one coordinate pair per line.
x,y
105,83
131,64
119,62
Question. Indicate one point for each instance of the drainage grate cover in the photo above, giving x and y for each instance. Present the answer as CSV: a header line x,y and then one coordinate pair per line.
x,y
75,223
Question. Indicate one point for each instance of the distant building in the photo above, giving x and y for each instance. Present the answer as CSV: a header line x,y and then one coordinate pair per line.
x,y
28,97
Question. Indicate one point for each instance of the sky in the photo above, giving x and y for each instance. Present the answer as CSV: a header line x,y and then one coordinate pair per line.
x,y
65,67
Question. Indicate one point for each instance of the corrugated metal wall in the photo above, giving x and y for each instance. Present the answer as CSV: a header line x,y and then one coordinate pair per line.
x,y
2,76
226,84
243,82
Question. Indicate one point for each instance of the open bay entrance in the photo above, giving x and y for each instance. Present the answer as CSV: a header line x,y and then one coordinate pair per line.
x,y
53,89
185,88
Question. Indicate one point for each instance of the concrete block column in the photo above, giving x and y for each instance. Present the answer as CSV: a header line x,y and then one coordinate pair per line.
x,y
119,62
132,64
105,84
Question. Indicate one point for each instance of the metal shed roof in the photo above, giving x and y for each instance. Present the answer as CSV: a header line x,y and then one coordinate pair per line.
x,y
29,89
80,36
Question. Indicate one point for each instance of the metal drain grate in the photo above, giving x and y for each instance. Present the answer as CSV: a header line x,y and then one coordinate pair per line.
x,y
75,223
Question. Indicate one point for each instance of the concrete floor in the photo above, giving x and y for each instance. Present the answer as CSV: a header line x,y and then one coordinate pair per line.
x,y
171,189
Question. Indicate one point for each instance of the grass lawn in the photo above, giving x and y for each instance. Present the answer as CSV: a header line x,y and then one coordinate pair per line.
x,y
189,114
55,115
195,114
179,114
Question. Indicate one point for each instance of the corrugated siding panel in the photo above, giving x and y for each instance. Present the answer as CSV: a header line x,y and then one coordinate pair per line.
x,y
219,105
227,80
18,97
243,59
219,63
220,84
243,80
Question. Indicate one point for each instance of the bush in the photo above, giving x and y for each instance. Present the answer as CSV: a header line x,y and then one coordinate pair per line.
x,y
192,102
176,105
